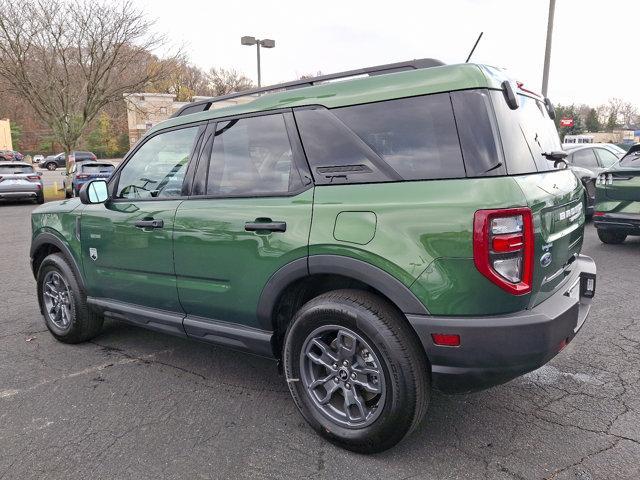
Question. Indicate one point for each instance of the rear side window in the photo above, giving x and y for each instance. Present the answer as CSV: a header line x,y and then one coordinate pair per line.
x,y
252,157
405,139
477,129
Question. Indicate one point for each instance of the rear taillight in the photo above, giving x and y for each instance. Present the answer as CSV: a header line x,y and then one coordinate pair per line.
x,y
82,176
33,178
503,247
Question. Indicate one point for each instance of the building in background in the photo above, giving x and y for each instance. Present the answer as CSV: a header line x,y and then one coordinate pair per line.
x,y
144,110
5,135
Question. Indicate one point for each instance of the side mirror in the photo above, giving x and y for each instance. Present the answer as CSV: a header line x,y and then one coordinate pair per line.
x,y
95,191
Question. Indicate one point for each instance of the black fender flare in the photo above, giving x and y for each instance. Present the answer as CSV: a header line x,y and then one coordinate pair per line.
x,y
375,277
47,238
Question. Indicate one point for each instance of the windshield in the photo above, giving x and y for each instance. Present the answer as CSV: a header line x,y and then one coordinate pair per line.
x,y
15,169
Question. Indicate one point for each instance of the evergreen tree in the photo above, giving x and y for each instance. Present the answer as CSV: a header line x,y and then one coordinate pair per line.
x,y
592,123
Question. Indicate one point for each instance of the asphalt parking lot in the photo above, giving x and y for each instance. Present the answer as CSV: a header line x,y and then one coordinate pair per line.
x,y
137,404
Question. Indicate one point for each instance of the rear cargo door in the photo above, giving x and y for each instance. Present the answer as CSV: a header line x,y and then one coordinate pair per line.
x,y
555,196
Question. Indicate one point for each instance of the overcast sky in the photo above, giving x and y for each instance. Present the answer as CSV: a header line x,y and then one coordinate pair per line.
x,y
594,42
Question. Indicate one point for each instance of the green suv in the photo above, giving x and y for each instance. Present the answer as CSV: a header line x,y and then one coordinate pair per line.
x,y
617,209
379,236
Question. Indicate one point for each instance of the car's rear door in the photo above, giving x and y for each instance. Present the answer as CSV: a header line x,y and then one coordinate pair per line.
x,y
249,215
127,242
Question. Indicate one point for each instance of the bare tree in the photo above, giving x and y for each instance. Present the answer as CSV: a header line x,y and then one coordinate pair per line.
x,y
629,114
69,59
185,81
223,81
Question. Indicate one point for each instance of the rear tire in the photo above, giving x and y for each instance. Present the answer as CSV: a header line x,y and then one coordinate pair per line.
x,y
63,302
380,394
40,198
611,237
51,166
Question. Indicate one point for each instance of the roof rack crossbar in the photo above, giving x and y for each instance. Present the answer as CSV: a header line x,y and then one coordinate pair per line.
x,y
202,105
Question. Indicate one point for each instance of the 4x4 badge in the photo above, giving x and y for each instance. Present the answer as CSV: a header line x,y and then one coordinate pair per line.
x,y
93,254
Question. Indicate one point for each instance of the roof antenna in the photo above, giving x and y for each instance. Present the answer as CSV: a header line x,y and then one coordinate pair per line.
x,y
474,47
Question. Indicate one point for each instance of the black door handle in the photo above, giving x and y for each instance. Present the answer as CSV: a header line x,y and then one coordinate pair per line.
x,y
265,226
149,223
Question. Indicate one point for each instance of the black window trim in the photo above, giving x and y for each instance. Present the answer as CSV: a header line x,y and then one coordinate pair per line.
x,y
298,156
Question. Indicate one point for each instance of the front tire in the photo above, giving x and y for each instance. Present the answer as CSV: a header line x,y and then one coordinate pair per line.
x,y
63,302
611,237
356,370
51,166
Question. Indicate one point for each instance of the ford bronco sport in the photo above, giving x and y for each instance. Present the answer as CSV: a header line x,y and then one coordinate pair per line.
x,y
380,236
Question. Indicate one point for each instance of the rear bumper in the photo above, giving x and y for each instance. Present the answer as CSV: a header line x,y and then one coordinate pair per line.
x,y
18,194
496,349
628,223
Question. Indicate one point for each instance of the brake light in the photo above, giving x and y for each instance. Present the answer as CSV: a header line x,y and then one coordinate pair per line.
x,y
503,247
33,178
598,214
82,176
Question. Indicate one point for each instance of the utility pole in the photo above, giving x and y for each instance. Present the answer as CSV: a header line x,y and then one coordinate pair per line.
x,y
547,50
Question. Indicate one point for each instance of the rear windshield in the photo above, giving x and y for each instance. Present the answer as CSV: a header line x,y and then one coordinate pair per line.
x,y
526,133
95,168
631,159
15,169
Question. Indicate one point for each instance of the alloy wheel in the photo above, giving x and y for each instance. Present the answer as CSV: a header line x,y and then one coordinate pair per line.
x,y
343,376
57,299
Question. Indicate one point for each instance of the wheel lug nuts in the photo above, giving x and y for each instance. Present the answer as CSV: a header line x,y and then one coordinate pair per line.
x,y
353,376
336,379
345,363
335,366
347,386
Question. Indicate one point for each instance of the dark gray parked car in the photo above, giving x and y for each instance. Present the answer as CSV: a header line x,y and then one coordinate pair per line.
x,y
595,157
52,162
19,181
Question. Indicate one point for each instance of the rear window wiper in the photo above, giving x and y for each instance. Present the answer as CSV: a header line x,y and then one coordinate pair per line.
x,y
495,167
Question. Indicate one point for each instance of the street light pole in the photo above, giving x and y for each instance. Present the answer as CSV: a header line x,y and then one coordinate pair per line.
x,y
258,49
266,43
547,51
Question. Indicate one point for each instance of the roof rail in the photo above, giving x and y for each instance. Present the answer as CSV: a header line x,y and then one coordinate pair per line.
x,y
202,105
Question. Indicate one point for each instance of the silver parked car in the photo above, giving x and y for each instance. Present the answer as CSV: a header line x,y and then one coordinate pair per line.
x,y
19,181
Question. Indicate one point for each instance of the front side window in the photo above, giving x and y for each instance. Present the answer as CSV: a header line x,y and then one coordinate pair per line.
x,y
158,167
251,157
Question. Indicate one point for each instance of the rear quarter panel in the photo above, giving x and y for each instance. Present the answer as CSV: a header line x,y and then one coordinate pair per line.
x,y
422,235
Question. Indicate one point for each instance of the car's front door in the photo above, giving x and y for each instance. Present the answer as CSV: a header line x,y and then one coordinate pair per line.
x,y
127,242
251,217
